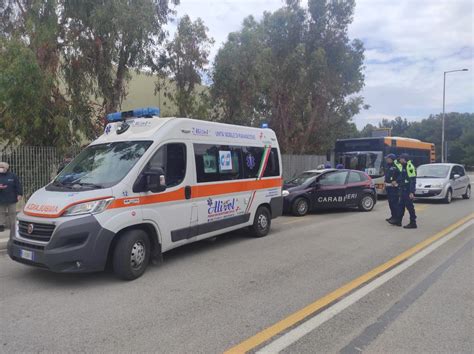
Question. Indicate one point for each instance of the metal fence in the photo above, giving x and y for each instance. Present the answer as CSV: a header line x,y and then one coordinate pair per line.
x,y
37,165
34,165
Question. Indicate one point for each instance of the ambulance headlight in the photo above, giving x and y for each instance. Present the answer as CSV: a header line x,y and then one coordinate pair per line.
x,y
90,207
285,193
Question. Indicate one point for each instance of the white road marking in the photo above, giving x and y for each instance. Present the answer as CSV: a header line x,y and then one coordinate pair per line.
x,y
306,327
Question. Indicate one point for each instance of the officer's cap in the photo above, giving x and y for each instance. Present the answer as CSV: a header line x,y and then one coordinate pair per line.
x,y
391,156
405,156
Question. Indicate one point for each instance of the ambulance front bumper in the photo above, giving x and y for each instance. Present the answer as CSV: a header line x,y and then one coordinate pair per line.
x,y
75,246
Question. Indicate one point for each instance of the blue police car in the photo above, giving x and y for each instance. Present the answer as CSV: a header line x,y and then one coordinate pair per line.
x,y
328,189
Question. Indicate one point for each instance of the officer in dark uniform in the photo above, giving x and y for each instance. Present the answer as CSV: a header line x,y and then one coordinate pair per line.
x,y
391,186
407,186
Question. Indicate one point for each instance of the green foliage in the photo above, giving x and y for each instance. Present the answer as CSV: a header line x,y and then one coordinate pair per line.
x,y
296,69
109,38
28,112
186,63
80,54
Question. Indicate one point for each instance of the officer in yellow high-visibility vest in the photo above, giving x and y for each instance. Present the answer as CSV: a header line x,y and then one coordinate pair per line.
x,y
407,186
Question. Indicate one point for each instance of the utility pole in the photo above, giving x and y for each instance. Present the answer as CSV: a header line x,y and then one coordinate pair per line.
x,y
443,147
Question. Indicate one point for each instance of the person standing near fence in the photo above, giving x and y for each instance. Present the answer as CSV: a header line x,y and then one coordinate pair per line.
x,y
11,192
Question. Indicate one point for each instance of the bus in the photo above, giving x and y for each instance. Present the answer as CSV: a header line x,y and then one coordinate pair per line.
x,y
367,154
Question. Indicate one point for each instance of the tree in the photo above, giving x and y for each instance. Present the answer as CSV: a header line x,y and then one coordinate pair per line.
x,y
81,54
398,125
111,37
297,70
188,57
33,106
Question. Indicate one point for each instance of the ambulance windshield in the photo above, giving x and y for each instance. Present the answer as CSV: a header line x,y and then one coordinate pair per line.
x,y
101,166
368,161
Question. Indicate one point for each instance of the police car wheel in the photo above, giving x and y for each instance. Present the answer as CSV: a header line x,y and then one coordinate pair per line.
x,y
300,207
131,254
366,203
467,195
261,223
449,196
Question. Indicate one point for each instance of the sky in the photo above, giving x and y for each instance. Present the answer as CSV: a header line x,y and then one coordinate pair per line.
x,y
408,46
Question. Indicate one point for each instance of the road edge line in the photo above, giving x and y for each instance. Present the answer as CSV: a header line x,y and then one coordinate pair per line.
x,y
298,316
313,323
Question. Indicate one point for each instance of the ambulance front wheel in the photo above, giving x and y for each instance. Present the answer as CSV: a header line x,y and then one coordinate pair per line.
x,y
131,254
261,222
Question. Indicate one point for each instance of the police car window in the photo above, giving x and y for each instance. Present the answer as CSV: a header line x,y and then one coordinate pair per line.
x,y
172,159
333,178
355,177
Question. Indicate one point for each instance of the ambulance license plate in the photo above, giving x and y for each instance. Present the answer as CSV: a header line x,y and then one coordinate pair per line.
x,y
29,255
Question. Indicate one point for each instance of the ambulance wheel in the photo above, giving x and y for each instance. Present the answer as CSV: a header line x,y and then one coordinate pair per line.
x,y
367,203
300,207
131,254
467,195
261,222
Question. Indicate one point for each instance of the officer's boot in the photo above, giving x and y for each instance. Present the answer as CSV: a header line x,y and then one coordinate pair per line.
x,y
395,222
2,228
411,225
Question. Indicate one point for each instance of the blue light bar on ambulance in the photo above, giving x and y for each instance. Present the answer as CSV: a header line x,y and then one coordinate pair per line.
x,y
135,113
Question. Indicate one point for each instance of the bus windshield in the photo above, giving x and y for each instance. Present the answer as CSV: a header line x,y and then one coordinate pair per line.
x,y
371,162
101,166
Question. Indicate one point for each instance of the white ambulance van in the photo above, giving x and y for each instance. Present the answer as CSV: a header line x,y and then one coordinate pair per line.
x,y
146,186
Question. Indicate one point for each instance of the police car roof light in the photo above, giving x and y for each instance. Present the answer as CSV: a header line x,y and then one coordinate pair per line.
x,y
264,125
135,113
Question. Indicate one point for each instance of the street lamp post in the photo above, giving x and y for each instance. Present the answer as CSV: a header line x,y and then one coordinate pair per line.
x,y
443,157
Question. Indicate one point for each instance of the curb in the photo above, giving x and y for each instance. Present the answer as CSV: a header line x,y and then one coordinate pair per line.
x,y
3,243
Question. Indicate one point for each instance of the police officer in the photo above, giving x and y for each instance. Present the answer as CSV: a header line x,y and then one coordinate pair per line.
x,y
407,186
391,186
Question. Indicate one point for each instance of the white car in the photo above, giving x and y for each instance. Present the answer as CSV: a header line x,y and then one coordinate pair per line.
x,y
442,181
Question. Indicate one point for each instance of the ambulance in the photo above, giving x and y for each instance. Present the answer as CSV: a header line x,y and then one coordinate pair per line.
x,y
146,186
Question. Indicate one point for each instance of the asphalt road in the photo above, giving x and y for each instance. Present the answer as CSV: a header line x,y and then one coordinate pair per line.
x,y
210,296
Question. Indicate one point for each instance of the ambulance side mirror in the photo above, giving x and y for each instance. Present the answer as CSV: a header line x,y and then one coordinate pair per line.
x,y
155,180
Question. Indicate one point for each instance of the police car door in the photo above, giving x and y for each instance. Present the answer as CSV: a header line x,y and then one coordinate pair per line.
x,y
356,183
331,190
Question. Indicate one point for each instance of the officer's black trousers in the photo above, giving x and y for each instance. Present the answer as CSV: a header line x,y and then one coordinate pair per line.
x,y
406,202
393,201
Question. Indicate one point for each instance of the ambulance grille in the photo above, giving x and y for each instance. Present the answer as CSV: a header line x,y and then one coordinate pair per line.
x,y
40,232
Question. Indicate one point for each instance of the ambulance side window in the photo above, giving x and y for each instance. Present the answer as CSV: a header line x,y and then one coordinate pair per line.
x,y
251,157
217,162
172,159
273,164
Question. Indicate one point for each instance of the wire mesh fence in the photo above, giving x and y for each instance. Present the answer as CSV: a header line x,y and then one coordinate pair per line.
x,y
34,165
